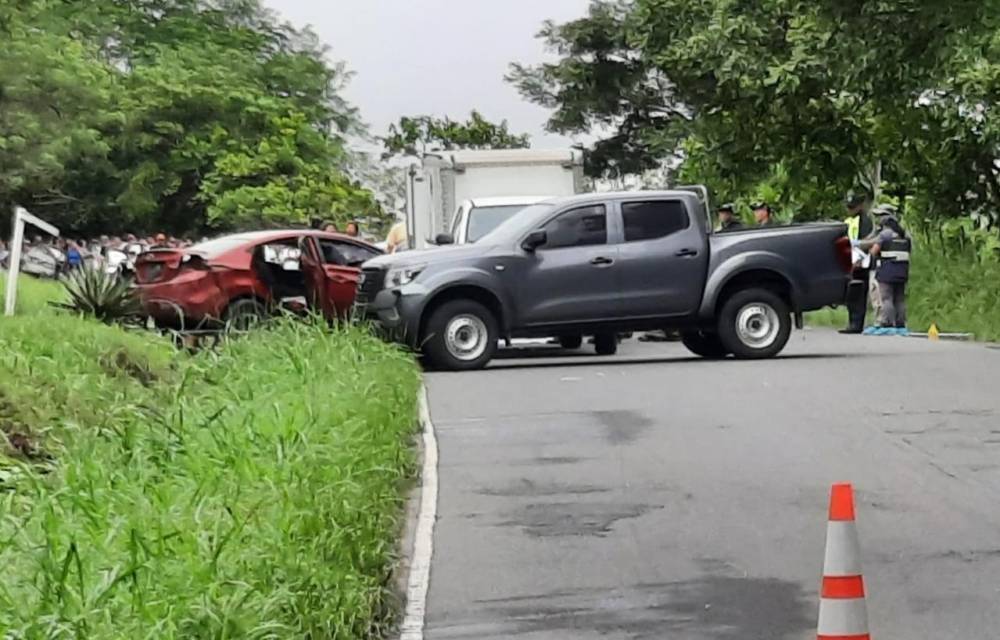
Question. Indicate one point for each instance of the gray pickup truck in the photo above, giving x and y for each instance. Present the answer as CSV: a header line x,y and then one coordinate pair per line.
x,y
603,264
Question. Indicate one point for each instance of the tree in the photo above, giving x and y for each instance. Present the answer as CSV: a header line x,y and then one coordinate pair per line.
x,y
413,135
173,114
809,98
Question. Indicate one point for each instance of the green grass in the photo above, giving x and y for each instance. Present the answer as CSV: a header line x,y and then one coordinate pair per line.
x,y
251,493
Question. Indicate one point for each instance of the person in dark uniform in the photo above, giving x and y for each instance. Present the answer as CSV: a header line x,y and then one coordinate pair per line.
x,y
727,219
892,247
859,227
763,215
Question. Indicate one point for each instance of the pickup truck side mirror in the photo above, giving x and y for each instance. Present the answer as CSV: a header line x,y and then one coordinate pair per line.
x,y
534,240
443,239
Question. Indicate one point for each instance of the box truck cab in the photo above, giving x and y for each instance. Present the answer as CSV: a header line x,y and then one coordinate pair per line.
x,y
446,187
476,218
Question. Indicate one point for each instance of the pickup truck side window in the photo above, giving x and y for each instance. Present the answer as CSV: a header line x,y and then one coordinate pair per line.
x,y
581,227
653,220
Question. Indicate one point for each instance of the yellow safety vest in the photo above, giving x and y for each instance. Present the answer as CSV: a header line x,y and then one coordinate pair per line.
x,y
853,227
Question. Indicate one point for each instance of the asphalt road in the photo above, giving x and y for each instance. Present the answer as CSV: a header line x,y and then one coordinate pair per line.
x,y
653,495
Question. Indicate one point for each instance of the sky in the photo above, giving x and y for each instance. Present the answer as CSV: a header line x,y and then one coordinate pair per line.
x,y
436,57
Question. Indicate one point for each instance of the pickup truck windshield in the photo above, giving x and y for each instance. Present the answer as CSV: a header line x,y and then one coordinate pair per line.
x,y
518,223
483,220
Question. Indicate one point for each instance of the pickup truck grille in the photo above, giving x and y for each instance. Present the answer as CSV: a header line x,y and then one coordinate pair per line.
x,y
372,281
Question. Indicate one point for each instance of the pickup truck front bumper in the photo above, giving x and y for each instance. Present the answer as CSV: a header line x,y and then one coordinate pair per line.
x,y
395,313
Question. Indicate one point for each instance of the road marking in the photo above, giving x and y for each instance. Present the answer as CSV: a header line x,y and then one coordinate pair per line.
x,y
423,546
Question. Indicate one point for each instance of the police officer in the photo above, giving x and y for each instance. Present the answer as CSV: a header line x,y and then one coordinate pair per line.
x,y
859,227
727,219
892,247
762,214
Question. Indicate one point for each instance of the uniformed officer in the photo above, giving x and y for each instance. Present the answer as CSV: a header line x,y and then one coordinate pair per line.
x,y
892,247
859,227
763,215
727,218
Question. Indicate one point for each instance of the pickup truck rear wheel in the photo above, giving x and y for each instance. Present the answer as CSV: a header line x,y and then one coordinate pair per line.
x,y
706,345
606,344
755,324
460,335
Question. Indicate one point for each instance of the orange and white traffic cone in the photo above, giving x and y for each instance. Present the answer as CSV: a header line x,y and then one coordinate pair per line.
x,y
843,613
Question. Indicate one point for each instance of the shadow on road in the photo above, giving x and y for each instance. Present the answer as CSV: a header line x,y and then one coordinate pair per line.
x,y
541,359
722,607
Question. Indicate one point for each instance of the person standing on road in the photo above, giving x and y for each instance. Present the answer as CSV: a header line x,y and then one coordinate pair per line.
x,y
353,230
859,227
727,219
763,215
892,247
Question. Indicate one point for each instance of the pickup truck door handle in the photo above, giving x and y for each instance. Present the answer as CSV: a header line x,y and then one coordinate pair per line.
x,y
602,261
687,253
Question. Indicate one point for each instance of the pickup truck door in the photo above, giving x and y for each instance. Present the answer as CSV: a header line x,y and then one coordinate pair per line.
x,y
573,277
664,259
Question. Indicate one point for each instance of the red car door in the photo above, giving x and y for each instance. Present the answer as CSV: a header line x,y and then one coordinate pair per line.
x,y
311,263
331,274
341,284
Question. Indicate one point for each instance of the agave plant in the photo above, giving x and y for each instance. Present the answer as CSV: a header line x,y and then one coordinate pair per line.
x,y
104,296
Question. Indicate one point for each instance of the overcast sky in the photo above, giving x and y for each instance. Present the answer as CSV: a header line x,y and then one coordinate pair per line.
x,y
439,57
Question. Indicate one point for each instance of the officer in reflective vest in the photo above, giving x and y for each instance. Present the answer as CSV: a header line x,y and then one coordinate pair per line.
x,y
892,247
859,227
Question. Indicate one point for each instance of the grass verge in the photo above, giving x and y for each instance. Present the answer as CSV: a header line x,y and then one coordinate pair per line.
x,y
252,493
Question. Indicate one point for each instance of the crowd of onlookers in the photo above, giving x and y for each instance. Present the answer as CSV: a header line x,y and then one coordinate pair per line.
x,y
49,257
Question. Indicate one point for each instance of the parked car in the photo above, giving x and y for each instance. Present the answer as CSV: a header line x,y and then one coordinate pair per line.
x,y
240,278
42,261
604,264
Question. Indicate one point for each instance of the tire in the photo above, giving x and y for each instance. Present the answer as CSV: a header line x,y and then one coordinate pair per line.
x,y
606,344
460,335
755,324
244,315
706,345
571,342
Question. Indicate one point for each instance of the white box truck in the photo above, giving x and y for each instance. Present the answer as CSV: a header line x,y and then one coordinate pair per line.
x,y
459,196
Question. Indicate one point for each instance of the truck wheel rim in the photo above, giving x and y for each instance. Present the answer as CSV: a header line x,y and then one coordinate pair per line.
x,y
758,325
466,337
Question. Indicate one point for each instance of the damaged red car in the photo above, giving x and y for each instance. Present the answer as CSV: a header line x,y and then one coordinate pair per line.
x,y
239,279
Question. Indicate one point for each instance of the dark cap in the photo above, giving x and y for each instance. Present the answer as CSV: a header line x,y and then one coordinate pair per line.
x,y
855,199
760,205
729,207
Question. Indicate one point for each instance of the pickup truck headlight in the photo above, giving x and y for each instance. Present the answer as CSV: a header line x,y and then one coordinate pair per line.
x,y
401,276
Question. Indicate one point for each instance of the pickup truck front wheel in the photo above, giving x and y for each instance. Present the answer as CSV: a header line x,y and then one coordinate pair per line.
x,y
460,335
755,324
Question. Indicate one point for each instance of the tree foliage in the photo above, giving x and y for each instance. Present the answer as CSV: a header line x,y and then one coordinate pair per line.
x,y
415,135
803,100
173,114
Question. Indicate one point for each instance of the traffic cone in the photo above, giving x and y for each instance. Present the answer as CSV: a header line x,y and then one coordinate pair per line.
x,y
843,613
933,333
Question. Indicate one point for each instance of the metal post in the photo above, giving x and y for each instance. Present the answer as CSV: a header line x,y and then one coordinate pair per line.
x,y
17,241
14,264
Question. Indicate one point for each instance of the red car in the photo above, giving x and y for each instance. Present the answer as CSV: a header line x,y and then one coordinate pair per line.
x,y
238,278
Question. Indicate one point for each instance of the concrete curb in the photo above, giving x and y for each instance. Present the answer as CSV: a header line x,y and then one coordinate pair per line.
x,y
413,573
